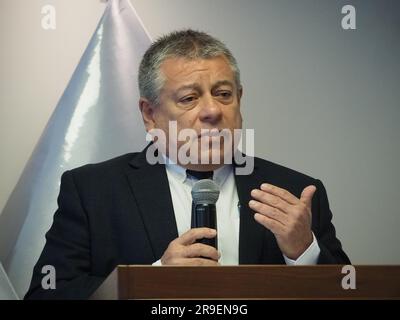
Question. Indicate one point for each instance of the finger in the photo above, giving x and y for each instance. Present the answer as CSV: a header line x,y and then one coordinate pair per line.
x,y
202,250
280,192
269,211
274,226
307,195
192,235
194,262
271,200
201,262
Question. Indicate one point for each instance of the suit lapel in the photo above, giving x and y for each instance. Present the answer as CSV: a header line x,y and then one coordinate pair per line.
x,y
251,233
150,187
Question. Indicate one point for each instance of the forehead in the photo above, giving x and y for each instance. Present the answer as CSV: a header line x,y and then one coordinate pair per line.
x,y
180,70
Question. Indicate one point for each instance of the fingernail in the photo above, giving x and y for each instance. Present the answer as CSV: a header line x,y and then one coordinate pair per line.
x,y
254,192
252,203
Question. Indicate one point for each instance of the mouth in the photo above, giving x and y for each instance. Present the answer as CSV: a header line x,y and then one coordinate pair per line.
x,y
209,133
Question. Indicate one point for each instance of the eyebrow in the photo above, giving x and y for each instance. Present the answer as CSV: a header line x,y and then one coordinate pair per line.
x,y
197,87
222,83
194,86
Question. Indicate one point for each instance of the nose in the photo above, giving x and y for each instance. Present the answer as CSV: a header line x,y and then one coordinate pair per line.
x,y
211,111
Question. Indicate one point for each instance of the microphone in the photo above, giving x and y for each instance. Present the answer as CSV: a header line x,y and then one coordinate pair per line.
x,y
205,194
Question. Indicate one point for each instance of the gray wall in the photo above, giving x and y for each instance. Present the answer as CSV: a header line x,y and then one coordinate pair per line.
x,y
322,100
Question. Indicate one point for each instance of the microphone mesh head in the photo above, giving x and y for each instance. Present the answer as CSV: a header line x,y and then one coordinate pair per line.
x,y
205,191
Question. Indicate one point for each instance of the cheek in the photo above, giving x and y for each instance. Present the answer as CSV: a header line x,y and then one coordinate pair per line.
x,y
162,118
238,115
186,120
234,119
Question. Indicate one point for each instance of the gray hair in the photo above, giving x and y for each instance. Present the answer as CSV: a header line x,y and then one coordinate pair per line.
x,y
188,44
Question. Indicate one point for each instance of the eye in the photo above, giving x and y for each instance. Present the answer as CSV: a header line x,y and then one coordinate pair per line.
x,y
224,94
187,99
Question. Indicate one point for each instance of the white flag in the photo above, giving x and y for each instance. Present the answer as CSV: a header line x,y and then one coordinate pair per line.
x,y
96,118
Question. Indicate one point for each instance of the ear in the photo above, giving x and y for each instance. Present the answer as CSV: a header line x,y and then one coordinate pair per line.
x,y
147,110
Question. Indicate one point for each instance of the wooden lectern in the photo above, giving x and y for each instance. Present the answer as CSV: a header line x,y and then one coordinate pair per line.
x,y
249,282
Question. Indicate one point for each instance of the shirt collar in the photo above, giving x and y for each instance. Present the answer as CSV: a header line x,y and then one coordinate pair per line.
x,y
175,169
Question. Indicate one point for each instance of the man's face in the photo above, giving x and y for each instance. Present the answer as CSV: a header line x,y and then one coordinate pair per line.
x,y
197,94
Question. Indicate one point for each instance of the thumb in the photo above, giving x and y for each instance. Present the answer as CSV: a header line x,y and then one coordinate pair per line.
x,y
307,194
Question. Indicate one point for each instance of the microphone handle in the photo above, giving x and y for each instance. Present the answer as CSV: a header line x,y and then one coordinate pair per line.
x,y
205,215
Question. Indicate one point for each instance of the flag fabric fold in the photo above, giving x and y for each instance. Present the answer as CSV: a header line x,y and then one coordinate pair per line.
x,y
96,118
7,291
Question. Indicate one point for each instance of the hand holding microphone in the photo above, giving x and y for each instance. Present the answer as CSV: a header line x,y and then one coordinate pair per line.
x,y
185,251
198,246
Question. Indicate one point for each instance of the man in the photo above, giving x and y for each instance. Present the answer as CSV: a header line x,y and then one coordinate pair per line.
x,y
129,211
